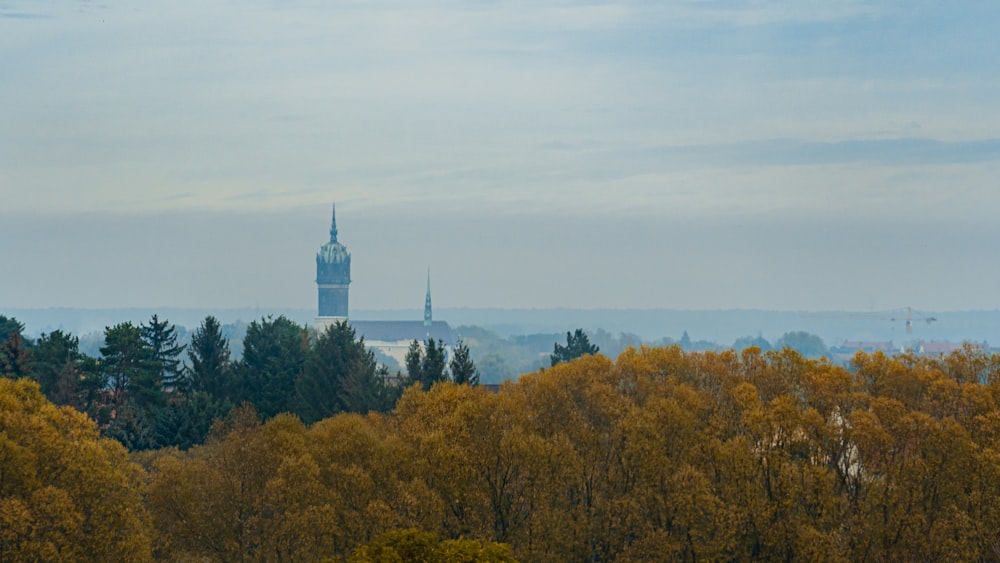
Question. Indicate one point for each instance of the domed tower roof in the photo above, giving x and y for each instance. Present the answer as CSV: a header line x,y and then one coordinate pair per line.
x,y
333,252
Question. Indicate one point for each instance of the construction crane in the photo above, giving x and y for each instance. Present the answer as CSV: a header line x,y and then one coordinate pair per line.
x,y
890,316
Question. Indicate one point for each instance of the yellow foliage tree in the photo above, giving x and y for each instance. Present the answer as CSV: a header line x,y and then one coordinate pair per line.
x,y
66,494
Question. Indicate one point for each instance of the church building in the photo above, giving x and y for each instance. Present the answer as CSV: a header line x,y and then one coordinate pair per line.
x,y
392,338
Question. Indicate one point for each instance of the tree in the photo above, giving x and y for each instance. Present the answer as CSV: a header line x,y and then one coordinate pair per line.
x,y
413,360
162,340
9,326
463,370
339,375
54,365
14,357
130,367
135,379
415,545
747,341
209,356
432,366
809,345
577,345
274,354
66,494
426,365
685,341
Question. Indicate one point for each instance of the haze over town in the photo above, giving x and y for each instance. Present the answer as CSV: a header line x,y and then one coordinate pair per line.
x,y
683,155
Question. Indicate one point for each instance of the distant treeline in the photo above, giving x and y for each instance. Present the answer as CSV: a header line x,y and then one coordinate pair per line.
x,y
658,455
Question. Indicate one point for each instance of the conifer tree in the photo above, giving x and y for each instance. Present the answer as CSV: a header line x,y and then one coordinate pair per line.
x,y
577,344
209,356
162,340
463,369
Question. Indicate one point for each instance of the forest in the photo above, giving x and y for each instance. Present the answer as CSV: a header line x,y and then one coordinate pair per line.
x,y
311,454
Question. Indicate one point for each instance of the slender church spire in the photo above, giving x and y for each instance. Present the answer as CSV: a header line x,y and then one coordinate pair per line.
x,y
427,303
333,225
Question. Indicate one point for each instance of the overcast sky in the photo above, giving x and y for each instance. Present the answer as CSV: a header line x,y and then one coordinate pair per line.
x,y
700,154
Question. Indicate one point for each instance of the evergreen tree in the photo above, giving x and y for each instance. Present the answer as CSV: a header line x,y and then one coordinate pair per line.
x,y
577,345
426,365
414,360
162,340
340,375
53,362
129,366
14,358
463,370
432,367
209,356
274,354
186,422
135,378
685,341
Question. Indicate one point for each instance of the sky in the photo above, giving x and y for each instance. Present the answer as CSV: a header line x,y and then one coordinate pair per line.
x,y
700,154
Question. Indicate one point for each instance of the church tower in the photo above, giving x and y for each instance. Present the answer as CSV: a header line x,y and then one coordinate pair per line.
x,y
333,275
428,319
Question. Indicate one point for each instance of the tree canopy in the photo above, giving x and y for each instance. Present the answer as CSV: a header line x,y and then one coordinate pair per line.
x,y
577,345
66,494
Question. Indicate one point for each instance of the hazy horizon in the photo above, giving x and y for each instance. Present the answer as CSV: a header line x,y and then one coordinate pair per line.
x,y
712,155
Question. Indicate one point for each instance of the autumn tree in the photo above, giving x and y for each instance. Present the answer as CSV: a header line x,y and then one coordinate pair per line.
x,y
414,545
66,494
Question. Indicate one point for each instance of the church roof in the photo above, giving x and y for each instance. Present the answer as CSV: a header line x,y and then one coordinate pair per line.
x,y
397,331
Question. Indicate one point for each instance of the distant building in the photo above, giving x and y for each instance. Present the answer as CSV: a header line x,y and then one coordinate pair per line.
x,y
333,278
393,338
852,346
945,348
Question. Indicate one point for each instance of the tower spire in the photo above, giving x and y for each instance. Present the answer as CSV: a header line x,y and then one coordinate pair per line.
x,y
333,224
427,302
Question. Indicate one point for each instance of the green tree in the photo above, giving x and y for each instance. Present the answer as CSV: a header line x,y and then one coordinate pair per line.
x,y
187,420
414,360
9,326
135,379
274,355
685,341
130,367
809,345
432,366
53,364
162,340
463,369
744,342
14,356
209,356
426,365
577,345
340,375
